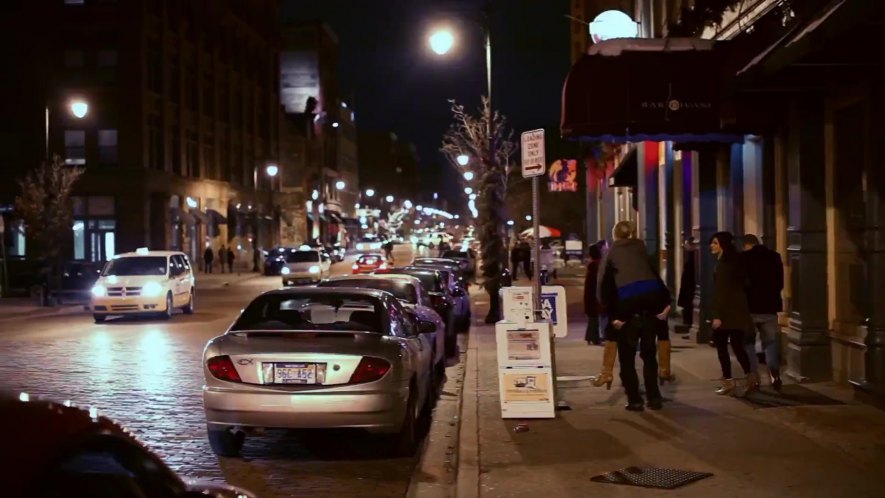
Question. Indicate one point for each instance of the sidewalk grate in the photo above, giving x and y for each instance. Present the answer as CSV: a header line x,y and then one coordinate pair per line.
x,y
651,477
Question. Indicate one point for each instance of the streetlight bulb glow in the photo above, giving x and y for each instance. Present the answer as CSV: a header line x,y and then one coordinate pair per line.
x,y
370,193
389,198
340,184
442,41
468,175
79,108
315,195
272,170
528,217
472,197
468,190
463,159
510,222
407,204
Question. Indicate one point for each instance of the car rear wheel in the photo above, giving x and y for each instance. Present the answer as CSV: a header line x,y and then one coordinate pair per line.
x,y
226,442
405,442
99,318
191,305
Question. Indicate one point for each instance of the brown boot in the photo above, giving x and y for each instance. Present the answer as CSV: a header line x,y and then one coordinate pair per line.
x,y
609,355
727,388
664,350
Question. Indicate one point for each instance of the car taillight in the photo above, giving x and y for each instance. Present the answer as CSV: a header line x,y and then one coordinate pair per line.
x,y
369,370
223,368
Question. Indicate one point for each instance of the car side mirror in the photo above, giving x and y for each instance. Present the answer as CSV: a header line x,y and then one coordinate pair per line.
x,y
425,327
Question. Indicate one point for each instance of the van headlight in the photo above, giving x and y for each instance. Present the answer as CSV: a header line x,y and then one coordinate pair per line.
x,y
99,291
285,270
151,289
313,269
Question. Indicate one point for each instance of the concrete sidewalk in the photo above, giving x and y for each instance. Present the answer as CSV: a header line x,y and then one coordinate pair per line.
x,y
812,441
16,308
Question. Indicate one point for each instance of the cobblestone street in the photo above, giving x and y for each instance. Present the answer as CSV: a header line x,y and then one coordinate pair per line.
x,y
147,375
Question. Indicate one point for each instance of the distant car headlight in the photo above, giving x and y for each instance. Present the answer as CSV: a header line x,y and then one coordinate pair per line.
x,y
285,270
313,269
151,289
99,291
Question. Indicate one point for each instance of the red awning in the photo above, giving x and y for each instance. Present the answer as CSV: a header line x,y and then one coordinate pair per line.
x,y
631,90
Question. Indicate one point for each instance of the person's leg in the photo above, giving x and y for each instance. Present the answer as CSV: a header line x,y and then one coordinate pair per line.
x,y
648,341
771,344
592,333
627,343
662,334
750,346
736,337
720,338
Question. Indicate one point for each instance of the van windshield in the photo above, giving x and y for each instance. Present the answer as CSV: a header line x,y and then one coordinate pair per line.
x,y
144,265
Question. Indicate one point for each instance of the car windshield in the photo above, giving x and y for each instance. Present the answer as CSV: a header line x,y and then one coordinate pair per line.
x,y
144,265
321,312
401,290
428,279
302,257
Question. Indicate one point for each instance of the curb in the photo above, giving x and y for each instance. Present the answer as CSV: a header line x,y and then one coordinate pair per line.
x,y
467,485
435,476
46,312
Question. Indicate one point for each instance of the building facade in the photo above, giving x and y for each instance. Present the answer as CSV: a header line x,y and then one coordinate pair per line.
x,y
799,84
326,129
183,120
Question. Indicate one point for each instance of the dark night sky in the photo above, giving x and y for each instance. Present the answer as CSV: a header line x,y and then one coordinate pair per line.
x,y
398,84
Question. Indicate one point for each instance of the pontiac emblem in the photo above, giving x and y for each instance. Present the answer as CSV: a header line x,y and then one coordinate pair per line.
x,y
244,361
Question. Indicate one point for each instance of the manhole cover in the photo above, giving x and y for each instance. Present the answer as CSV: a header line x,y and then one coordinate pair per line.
x,y
651,477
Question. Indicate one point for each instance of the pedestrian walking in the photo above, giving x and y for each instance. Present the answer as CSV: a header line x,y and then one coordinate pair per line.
x,y
515,259
765,281
731,313
208,257
635,299
222,256
592,307
230,259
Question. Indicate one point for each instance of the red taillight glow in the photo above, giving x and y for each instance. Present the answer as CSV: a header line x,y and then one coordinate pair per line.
x,y
223,368
369,370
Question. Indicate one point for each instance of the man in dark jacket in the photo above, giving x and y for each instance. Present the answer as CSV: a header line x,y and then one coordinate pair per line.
x,y
765,281
633,295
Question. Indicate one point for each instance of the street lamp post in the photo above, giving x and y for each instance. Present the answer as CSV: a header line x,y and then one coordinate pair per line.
x,y
271,170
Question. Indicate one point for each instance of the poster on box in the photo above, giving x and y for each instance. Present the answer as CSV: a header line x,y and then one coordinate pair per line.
x,y
523,345
526,387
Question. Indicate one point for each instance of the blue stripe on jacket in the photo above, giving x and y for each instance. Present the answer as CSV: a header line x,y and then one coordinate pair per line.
x,y
639,288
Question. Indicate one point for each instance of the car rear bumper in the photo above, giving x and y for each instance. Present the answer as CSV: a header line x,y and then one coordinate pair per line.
x,y
305,278
378,411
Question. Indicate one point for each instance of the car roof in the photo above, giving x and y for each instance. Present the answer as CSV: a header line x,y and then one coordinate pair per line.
x,y
316,291
43,429
374,254
149,254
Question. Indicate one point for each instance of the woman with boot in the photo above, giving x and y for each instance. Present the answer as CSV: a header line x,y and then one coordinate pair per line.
x,y
731,312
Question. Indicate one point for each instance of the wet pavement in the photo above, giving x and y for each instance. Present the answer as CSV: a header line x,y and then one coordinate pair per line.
x,y
147,375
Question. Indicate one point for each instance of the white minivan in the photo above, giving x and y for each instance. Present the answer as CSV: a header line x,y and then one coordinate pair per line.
x,y
144,282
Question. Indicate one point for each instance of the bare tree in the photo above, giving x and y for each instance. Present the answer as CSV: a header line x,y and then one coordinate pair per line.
x,y
487,141
45,207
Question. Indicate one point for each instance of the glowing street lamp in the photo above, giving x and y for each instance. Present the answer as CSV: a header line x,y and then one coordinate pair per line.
x,y
463,159
340,184
79,108
389,198
468,190
370,192
441,41
272,170
407,204
468,175
315,195
528,217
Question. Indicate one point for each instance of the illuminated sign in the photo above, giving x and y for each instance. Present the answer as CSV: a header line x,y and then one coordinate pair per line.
x,y
562,176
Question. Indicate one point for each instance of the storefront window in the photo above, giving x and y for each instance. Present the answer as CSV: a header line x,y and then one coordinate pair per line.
x,y
79,239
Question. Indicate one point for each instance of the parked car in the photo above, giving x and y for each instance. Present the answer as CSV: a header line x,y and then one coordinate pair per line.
x,y
367,263
413,296
60,450
467,259
457,289
314,358
144,282
305,265
453,265
275,260
442,300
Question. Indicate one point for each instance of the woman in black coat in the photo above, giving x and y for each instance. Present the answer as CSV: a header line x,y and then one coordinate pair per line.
x,y
731,312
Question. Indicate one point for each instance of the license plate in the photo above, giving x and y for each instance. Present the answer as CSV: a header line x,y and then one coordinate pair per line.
x,y
294,373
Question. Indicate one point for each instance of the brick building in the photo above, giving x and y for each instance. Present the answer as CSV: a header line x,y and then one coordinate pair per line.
x,y
183,119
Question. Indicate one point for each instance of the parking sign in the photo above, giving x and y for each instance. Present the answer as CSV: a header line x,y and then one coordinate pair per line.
x,y
532,151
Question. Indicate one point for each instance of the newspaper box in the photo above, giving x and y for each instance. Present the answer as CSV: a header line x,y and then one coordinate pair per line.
x,y
525,370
